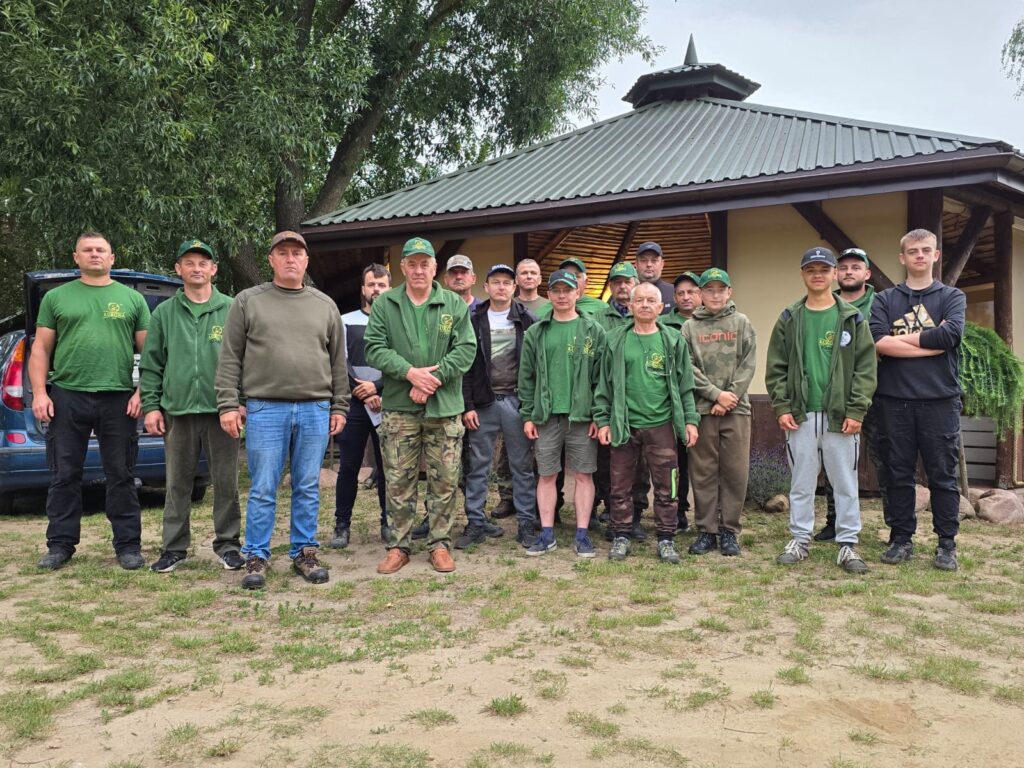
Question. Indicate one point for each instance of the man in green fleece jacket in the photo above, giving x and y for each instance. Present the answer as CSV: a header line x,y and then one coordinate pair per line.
x,y
420,337
179,402
820,377
645,417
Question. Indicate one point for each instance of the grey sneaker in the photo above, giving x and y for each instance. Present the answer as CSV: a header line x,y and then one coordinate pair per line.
x,y
667,552
794,552
619,549
850,561
898,552
130,561
945,558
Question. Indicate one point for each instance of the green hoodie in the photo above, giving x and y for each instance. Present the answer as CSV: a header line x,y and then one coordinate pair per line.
x,y
391,347
179,361
863,303
610,400
723,349
534,394
851,380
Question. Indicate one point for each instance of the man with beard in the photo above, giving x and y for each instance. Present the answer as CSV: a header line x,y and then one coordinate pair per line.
x,y
649,265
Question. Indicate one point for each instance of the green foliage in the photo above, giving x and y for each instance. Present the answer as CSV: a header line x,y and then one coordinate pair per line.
x,y
769,475
992,379
1013,56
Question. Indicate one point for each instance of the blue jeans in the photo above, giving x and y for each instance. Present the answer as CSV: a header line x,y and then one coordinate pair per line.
x,y
276,430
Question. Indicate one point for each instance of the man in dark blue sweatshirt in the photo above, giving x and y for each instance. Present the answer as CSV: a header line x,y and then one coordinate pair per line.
x,y
917,328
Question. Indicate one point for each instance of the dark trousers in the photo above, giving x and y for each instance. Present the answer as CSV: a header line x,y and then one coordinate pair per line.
x,y
352,446
931,429
874,443
657,447
603,483
75,416
684,480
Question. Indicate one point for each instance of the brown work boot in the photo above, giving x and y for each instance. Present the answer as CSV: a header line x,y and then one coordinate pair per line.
x,y
393,561
503,510
441,560
307,565
255,573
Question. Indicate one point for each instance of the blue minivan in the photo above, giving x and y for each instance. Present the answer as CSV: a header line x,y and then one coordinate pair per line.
x,y
23,465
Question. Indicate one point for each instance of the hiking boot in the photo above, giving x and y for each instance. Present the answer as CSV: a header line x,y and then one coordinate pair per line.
x,y
584,547
794,552
341,538
638,533
526,533
473,534
704,543
130,561
667,552
168,562
828,533
503,510
232,560
492,531
727,544
53,559
898,552
620,548
945,558
308,566
393,561
441,560
850,561
255,573
422,530
541,546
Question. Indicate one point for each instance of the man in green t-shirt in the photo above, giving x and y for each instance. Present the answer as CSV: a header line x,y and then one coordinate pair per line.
x,y
90,329
820,378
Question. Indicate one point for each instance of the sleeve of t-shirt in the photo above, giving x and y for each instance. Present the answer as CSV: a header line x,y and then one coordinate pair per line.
x,y
142,313
46,317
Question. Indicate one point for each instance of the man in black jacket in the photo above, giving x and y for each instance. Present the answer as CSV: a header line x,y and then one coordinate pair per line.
x,y
491,394
917,328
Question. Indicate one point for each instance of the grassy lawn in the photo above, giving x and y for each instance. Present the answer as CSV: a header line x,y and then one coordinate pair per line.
x,y
513,661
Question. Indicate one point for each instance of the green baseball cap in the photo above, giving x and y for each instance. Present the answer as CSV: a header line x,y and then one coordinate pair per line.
x,y
578,263
715,275
856,253
693,277
417,245
195,246
622,269
563,276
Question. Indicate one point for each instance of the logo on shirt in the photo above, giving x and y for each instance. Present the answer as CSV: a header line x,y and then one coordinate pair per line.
x,y
914,321
447,321
707,338
113,312
588,346
216,333
827,340
656,361
845,339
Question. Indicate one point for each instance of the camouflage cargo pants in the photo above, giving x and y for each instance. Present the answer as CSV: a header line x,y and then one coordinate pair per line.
x,y
404,438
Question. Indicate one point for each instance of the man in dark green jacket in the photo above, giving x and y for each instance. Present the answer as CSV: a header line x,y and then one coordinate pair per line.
x,y
644,402
420,338
820,377
176,376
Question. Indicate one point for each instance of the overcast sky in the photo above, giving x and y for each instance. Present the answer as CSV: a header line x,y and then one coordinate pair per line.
x,y
931,64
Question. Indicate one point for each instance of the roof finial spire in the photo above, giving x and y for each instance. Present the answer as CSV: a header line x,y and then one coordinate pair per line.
x,y
691,54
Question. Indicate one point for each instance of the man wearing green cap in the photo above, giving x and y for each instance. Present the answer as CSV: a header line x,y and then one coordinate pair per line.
x,y
585,305
420,337
176,373
724,352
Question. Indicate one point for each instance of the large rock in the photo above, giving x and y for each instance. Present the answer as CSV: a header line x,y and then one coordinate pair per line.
x,y
777,503
966,509
974,495
1001,507
922,496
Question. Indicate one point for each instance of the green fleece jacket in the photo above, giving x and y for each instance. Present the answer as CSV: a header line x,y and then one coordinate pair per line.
x,y
609,319
585,305
723,349
534,393
179,360
391,347
852,369
610,400
673,320
863,303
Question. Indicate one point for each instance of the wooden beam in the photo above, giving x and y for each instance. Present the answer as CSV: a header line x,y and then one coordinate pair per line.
x,y
620,254
1003,310
520,247
718,228
977,196
924,211
957,256
553,243
449,249
831,233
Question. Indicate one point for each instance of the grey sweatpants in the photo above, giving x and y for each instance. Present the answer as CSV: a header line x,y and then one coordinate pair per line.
x,y
808,448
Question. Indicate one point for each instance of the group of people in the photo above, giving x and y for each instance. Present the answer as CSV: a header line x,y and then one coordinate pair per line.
x,y
647,391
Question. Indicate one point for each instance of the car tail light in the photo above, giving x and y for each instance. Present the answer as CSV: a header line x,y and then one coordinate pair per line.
x,y
16,438
12,390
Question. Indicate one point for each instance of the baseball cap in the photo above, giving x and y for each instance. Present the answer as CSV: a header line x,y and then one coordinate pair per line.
x,y
649,246
578,263
693,277
286,235
715,275
417,245
458,260
195,246
818,256
500,268
563,276
622,269
857,253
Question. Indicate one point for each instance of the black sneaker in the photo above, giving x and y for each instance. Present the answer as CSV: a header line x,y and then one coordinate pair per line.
x,y
492,531
503,510
638,533
232,560
340,539
727,544
828,533
308,566
526,534
422,530
704,543
898,552
255,573
130,561
472,534
945,558
168,562
54,559
682,524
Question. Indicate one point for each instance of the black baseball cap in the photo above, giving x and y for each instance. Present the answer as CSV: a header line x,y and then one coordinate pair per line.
x,y
818,256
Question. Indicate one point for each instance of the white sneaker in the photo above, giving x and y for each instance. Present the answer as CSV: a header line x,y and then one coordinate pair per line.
x,y
794,552
850,561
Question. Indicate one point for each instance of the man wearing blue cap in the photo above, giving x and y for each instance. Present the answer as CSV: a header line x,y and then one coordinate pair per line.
x,y
650,262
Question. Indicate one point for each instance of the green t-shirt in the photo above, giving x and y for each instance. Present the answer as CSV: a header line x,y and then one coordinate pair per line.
x,y
647,399
819,336
195,307
95,326
420,313
559,346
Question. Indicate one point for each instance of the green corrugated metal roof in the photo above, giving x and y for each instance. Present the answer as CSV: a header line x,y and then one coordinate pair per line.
x,y
660,146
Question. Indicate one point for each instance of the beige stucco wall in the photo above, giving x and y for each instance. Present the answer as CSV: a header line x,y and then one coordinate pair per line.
x,y
483,251
1018,287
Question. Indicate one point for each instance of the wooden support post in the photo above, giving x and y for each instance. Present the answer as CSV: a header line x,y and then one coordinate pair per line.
x,y
1003,300
520,247
718,226
831,233
924,211
956,257
620,254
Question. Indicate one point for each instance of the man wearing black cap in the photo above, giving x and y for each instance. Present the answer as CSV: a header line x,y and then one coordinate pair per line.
x,y
649,265
179,400
490,390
